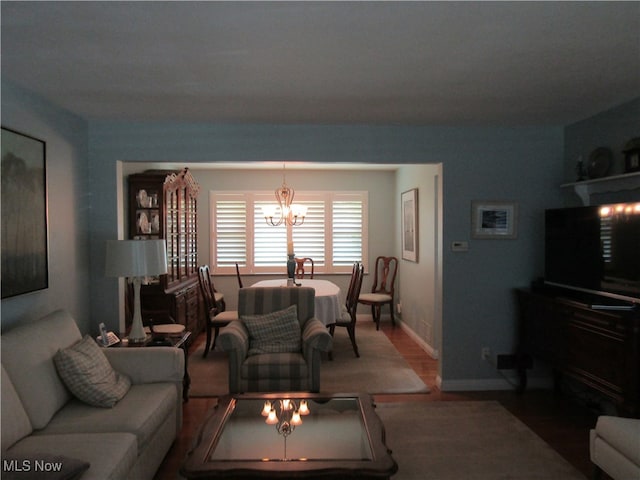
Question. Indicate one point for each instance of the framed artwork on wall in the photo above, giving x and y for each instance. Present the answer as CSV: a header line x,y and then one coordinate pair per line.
x,y
23,220
409,201
494,220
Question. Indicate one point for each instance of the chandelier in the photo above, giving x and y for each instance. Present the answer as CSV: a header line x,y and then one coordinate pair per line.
x,y
285,414
285,211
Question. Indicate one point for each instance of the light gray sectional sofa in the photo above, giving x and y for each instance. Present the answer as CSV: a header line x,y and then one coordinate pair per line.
x,y
40,416
615,447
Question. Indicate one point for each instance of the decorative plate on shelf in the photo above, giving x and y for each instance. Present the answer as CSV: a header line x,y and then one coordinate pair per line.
x,y
599,162
143,200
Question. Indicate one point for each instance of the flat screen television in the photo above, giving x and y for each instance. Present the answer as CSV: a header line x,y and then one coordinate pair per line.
x,y
595,250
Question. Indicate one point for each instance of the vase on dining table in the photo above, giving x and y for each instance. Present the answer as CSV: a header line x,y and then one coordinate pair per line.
x,y
291,266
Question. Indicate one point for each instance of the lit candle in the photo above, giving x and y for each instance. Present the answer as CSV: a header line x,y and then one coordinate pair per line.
x,y
289,248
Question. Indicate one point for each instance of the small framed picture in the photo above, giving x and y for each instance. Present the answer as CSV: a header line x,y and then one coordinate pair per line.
x,y
494,220
409,202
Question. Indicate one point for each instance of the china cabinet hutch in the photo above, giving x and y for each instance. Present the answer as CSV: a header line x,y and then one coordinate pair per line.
x,y
163,205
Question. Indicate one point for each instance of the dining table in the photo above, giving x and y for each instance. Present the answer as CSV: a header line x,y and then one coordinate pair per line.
x,y
328,298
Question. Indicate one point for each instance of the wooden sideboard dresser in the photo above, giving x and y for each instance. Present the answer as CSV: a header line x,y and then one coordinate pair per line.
x,y
597,347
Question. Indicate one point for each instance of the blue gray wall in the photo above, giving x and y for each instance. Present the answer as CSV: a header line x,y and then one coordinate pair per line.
x,y
519,164
525,165
69,201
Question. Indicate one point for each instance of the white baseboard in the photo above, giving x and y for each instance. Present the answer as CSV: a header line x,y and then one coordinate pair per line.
x,y
509,382
432,352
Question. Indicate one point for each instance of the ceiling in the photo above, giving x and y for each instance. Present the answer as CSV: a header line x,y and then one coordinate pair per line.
x,y
417,63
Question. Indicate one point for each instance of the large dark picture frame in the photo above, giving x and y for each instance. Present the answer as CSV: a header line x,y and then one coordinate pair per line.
x,y
25,262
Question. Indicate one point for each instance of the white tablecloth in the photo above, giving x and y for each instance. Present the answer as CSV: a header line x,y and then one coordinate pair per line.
x,y
328,298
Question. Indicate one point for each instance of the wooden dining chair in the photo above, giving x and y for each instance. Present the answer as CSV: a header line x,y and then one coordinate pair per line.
x,y
382,291
238,276
215,316
348,316
218,297
300,266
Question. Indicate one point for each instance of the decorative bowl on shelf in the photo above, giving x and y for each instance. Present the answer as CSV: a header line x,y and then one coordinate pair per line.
x,y
599,162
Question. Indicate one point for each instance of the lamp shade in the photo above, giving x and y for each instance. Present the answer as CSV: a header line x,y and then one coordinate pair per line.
x,y
136,258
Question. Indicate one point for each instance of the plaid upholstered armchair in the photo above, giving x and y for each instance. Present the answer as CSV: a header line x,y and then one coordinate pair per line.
x,y
277,343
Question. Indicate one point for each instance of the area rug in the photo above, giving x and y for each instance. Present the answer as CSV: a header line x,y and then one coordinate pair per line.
x,y
471,440
380,368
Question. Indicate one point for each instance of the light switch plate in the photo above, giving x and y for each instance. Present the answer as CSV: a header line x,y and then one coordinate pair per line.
x,y
459,246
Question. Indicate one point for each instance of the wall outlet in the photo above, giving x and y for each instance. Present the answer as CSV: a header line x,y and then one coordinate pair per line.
x,y
485,353
399,309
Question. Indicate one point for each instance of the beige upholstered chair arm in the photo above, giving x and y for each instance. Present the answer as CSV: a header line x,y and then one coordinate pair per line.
x,y
148,365
315,337
234,339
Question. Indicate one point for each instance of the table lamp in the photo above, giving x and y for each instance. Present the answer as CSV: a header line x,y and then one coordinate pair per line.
x,y
136,259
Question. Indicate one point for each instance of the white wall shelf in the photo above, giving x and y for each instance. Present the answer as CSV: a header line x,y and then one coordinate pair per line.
x,y
614,183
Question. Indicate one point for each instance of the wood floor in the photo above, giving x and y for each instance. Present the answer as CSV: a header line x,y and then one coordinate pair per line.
x,y
559,420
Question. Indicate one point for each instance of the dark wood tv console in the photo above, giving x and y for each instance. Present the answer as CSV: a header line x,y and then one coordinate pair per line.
x,y
599,348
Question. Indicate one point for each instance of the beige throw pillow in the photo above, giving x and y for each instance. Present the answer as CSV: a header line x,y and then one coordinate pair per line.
x,y
276,332
88,375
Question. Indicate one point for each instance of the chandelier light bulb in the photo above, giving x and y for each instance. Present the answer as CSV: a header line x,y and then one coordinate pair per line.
x,y
295,419
272,418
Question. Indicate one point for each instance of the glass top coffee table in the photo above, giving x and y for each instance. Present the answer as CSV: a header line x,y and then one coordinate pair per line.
x,y
285,435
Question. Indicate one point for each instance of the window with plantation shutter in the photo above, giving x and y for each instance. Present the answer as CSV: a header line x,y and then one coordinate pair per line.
x,y
334,232
230,231
347,232
309,238
269,242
